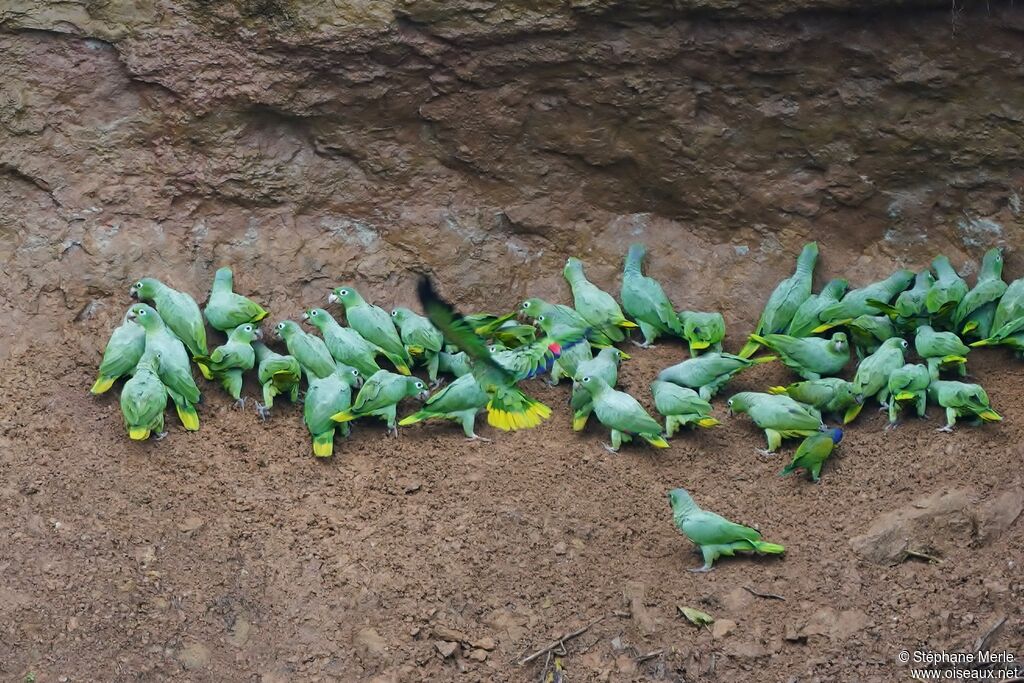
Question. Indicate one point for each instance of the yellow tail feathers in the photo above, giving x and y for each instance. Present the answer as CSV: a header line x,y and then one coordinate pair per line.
x,y
983,342
627,324
579,422
777,390
261,315
102,384
707,422
415,350
656,441
412,419
763,359
534,414
990,416
852,413
904,396
825,327
138,433
768,548
343,416
953,359
969,327
700,345
323,445
205,369
189,418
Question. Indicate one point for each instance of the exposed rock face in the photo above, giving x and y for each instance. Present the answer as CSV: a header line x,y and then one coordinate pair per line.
x,y
309,142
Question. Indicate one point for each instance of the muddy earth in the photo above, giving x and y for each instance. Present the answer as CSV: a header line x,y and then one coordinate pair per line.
x,y
313,143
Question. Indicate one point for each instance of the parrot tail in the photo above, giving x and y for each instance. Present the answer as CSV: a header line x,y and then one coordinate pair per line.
x,y
344,416
699,345
763,359
883,307
777,390
788,469
768,548
261,315
904,396
415,350
627,324
852,412
399,363
138,433
657,440
419,416
983,342
204,365
707,422
949,360
323,444
102,384
749,349
990,416
188,416
579,421
969,327
825,327
510,409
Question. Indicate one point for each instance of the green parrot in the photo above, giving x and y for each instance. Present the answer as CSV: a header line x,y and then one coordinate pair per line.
x,y
380,396
961,400
975,312
461,401
1009,316
707,374
872,377
326,396
604,365
421,338
713,534
278,374
909,309
864,301
230,360
909,383
622,414
703,331
122,353
787,297
374,324
869,331
143,400
947,292
812,453
681,407
344,344
809,357
173,367
454,362
1014,342
829,395
503,329
569,361
311,352
645,301
806,317
941,350
597,307
178,310
226,310
778,415
556,316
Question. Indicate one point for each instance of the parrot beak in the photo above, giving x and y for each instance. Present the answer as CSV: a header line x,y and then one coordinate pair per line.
x,y
423,395
305,317
728,411
131,315
277,334
259,333
332,298
358,383
133,293
859,399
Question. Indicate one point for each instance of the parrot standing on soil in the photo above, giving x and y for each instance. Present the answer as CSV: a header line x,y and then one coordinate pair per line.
x,y
778,415
374,324
597,306
568,363
961,400
551,317
707,374
864,301
143,400
645,301
121,354
941,350
326,396
703,330
173,367
974,313
909,383
454,362
178,310
380,396
785,299
872,377
311,352
1008,318
604,365
947,292
420,339
869,331
460,401
909,309
226,310
344,344
806,317
829,395
230,360
713,534
809,357
622,414
812,453
278,374
681,407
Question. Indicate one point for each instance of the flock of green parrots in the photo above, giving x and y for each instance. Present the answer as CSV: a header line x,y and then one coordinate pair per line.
x,y
488,356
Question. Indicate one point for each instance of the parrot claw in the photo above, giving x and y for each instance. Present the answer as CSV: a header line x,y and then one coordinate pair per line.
x,y
262,411
609,448
642,345
393,431
478,438
764,453
891,426
160,436
699,570
240,404
436,383
948,429
883,408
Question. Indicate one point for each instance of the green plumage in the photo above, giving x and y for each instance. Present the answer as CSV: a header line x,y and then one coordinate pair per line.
x,y
908,384
343,343
278,375
805,320
311,352
569,361
228,361
1008,318
326,396
829,395
941,350
173,367
380,396
872,377
374,324
707,374
420,337
812,453
645,301
622,414
960,399
460,401
681,407
909,309
809,357
703,330
597,307
121,354
226,310
178,310
551,317
979,305
948,289
786,298
604,365
863,301
143,400
778,415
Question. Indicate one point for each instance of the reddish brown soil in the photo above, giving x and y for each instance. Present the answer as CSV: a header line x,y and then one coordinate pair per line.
x,y
233,555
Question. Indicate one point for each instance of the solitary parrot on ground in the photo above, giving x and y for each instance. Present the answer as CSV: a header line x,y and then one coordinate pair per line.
x,y
961,400
941,350
806,317
597,307
975,312
421,339
143,400
326,396
872,377
622,414
908,384
460,401
707,374
812,453
947,292
278,374
809,357
178,310
380,396
374,324
713,534
702,330
604,365
226,310
173,367
343,343
829,395
311,352
864,301
122,353
645,301
787,297
681,407
778,415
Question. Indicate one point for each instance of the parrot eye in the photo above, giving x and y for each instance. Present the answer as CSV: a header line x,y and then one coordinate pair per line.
x,y
280,326
138,284
526,304
313,313
355,373
142,311
540,318
729,402
419,385
586,379
903,343
343,292
248,328
394,313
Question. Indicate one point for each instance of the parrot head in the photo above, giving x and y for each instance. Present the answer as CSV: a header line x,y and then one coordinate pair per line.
x,y
284,328
680,501
572,263
144,289
592,384
531,308
349,375
144,315
315,317
417,388
247,333
400,314
740,402
837,434
344,294
224,276
839,342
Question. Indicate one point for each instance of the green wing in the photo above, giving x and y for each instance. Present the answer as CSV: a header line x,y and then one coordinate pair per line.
x,y
707,528
618,410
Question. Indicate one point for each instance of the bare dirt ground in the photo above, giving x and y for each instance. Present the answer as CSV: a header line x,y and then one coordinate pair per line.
x,y
232,555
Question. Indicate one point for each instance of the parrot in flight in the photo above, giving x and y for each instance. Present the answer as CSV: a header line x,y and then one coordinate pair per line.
x,y
503,329
420,339
940,350
681,407
707,374
380,396
604,365
622,414
121,354
809,357
948,290
226,310
326,396
812,453
975,312
173,367
961,400
864,301
786,299
909,383
551,317
872,377
343,343
230,360
278,374
829,395
311,352
1008,318
374,324
178,310
778,415
806,317
909,309
597,307
461,401
702,331
143,400
713,534
645,301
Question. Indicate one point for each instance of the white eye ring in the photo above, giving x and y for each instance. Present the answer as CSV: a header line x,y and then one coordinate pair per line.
x,y
343,292
142,312
419,385
540,318
313,313
280,326
355,372
394,314
138,284
526,304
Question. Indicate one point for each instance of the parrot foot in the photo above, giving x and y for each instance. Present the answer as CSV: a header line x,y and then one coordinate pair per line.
x,y
160,436
764,453
610,448
262,411
434,384
891,426
883,408
643,344
393,431
240,404
478,438
947,429
699,570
